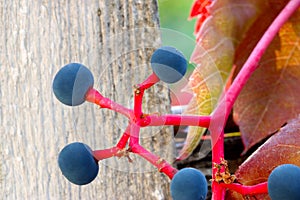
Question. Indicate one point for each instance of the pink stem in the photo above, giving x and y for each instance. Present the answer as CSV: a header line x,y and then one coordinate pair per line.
x,y
110,152
95,97
239,82
184,120
217,156
150,81
139,93
105,153
261,188
138,101
162,165
124,139
134,134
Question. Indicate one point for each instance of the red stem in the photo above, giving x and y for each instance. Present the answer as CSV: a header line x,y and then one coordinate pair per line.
x,y
105,153
232,93
162,165
95,97
184,120
134,134
139,93
149,82
134,145
217,156
138,101
124,139
110,152
261,188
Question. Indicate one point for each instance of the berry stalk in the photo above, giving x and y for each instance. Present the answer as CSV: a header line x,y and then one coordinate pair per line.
x,y
162,165
139,94
124,139
149,82
105,153
138,101
114,151
95,97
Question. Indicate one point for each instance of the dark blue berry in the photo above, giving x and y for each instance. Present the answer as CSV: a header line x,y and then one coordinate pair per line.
x,y
168,64
71,84
284,182
77,163
188,184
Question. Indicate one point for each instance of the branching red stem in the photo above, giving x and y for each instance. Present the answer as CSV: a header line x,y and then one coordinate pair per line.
x,y
138,120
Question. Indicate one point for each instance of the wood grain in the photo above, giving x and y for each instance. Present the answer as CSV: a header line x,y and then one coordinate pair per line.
x,y
115,39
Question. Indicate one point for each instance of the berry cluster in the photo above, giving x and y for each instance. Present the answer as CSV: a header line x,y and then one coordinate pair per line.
x,y
73,85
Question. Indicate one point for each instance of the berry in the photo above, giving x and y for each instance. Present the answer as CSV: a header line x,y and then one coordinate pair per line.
x,y
188,184
168,64
77,163
284,182
71,84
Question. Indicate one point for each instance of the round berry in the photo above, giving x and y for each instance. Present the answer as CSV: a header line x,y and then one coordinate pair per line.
x,y
77,163
284,182
71,84
188,184
168,64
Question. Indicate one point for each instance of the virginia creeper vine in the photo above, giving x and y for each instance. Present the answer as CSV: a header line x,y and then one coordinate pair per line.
x,y
215,122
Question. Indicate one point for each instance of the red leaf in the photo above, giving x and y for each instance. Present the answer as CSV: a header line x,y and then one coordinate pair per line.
x,y
282,148
199,7
217,39
271,96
